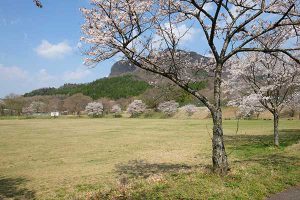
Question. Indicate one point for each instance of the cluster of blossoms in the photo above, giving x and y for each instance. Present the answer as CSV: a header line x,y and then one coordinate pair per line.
x,y
293,103
168,107
190,109
136,108
247,106
94,109
116,110
260,81
34,107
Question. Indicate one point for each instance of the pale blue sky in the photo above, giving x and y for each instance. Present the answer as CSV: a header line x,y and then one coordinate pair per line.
x,y
39,47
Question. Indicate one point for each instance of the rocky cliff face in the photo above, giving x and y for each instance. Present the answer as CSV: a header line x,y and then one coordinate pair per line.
x,y
125,67
121,67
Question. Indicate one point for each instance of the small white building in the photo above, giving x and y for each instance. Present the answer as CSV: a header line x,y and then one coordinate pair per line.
x,y
54,114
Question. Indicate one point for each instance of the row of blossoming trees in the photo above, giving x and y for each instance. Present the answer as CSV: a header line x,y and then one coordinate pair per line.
x,y
78,104
147,34
137,107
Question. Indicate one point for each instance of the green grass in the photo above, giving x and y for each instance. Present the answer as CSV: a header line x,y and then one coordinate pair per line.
x,y
142,159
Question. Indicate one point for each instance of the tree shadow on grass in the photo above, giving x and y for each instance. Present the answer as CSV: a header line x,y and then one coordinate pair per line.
x,y
252,148
245,146
12,188
260,149
274,160
143,169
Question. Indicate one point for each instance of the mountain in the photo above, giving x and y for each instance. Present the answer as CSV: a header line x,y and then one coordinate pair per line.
x,y
113,87
121,67
125,67
125,80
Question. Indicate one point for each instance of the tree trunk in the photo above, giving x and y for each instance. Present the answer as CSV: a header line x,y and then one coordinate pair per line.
x,y
276,132
219,157
292,113
257,116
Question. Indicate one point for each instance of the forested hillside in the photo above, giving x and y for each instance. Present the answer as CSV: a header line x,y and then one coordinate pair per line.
x,y
113,88
125,80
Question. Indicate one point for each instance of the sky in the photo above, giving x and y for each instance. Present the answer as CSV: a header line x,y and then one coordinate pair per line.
x,y
42,48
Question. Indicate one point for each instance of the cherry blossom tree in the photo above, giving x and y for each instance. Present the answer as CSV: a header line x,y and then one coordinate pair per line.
x,y
190,109
27,111
136,108
247,105
293,103
262,80
168,107
149,34
94,109
116,110
35,107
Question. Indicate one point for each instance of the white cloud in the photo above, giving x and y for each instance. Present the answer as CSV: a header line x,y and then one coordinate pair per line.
x,y
186,34
209,55
12,73
78,74
17,80
48,50
44,76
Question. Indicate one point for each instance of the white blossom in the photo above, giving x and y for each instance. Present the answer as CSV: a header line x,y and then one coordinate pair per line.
x,y
94,109
168,107
116,109
261,80
293,103
190,109
136,108
34,107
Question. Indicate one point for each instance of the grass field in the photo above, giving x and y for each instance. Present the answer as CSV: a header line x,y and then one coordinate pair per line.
x,y
143,159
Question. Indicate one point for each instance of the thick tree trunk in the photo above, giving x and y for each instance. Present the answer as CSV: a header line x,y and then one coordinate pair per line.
x,y
276,132
219,157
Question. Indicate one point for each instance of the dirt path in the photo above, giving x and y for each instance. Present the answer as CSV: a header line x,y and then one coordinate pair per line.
x,y
289,194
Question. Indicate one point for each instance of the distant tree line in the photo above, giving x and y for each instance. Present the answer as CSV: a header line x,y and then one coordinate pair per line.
x,y
78,104
113,88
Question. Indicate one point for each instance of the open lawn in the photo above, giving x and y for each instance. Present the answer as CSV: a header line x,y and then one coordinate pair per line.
x,y
143,159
